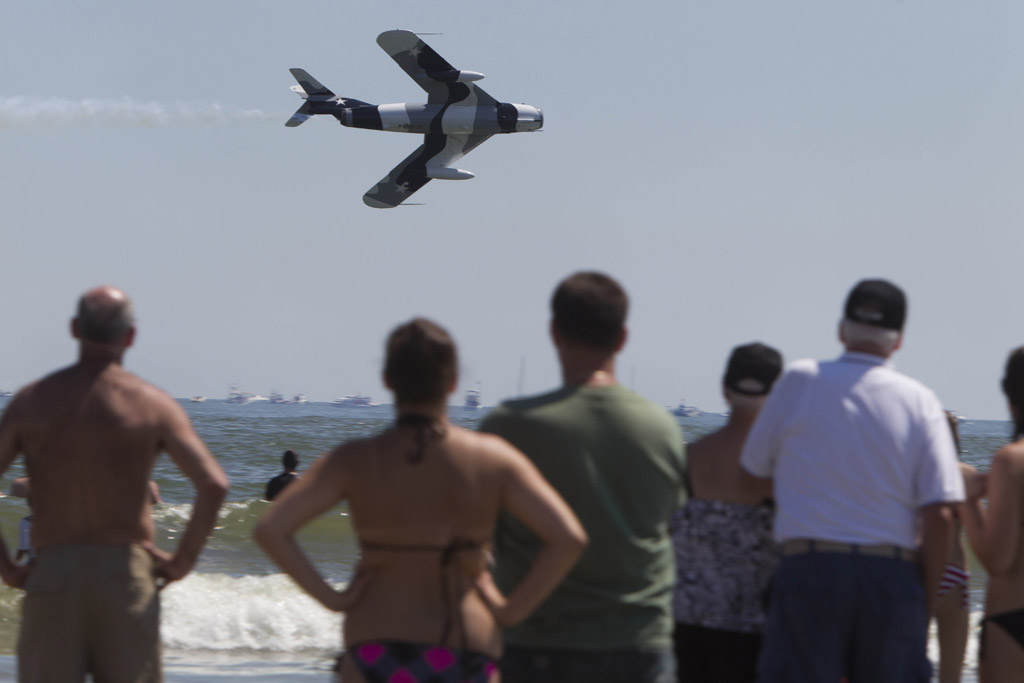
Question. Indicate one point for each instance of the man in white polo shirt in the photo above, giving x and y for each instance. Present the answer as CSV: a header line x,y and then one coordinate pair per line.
x,y
865,475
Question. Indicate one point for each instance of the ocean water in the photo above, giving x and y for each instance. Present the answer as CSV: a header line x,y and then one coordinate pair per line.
x,y
236,617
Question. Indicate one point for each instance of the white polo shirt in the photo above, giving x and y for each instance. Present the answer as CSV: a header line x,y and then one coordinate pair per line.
x,y
855,449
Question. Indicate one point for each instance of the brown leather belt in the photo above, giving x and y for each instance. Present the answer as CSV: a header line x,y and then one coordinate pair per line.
x,y
800,546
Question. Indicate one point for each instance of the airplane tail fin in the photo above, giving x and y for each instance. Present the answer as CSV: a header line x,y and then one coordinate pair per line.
x,y
309,87
313,91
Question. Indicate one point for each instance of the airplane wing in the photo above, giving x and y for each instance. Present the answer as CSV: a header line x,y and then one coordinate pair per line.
x,y
431,71
417,169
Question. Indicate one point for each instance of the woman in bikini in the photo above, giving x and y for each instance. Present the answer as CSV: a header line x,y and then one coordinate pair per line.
x,y
995,533
424,497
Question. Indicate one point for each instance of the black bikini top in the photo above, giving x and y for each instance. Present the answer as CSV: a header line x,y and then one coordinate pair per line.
x,y
428,429
452,614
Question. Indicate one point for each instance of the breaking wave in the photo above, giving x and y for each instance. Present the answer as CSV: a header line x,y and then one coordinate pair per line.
x,y
255,613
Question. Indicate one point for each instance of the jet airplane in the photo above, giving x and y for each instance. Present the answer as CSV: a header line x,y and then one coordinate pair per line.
x,y
457,117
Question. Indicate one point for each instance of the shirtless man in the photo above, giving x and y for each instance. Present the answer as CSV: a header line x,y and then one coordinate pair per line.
x,y
90,434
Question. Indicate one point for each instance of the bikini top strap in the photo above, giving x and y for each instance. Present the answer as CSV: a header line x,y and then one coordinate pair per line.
x,y
403,547
427,429
452,613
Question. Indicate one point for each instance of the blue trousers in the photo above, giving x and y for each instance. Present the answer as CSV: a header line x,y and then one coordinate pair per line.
x,y
535,665
834,615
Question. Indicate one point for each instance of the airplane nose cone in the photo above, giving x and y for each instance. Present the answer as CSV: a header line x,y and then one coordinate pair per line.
x,y
540,117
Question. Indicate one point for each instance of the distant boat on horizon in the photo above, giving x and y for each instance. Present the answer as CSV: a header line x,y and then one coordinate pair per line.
x,y
278,398
354,400
239,397
236,395
683,410
197,399
472,401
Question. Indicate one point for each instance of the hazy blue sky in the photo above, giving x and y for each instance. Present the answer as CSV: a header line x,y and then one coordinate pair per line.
x,y
736,165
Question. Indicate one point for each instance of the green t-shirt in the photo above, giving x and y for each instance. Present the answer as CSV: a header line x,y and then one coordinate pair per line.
x,y
618,461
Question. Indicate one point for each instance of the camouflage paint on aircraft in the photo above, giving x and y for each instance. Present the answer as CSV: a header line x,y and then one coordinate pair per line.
x,y
458,117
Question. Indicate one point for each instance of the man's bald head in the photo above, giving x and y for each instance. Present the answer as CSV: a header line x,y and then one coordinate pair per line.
x,y
105,315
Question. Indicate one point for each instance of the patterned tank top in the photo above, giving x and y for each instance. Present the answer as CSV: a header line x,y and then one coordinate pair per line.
x,y
725,557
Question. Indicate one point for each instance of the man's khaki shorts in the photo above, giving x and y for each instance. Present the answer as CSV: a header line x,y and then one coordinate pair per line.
x,y
90,609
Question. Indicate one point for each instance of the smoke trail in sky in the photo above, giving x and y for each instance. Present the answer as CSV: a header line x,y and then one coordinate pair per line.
x,y
53,112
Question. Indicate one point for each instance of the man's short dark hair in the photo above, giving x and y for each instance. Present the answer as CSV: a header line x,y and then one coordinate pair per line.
x,y
103,321
589,308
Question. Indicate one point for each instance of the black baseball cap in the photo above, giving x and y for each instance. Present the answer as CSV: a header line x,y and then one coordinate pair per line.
x,y
752,369
877,302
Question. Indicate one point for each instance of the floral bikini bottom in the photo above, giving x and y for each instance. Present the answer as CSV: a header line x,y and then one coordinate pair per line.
x,y
396,661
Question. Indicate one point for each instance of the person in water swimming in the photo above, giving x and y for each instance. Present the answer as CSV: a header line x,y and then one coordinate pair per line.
x,y
424,496
289,463
995,535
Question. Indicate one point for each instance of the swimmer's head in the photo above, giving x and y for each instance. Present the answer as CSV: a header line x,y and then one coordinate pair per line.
x,y
1013,387
105,316
589,309
421,364
290,460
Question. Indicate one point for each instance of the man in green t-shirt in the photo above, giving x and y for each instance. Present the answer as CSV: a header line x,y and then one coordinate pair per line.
x,y
618,460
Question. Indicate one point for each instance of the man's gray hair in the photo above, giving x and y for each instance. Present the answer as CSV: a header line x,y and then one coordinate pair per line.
x,y
103,320
880,339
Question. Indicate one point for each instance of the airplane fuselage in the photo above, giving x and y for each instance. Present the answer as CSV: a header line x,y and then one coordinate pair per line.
x,y
424,119
457,117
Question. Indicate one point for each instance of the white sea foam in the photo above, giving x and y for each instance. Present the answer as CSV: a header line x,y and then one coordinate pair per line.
x,y
182,512
50,112
254,613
